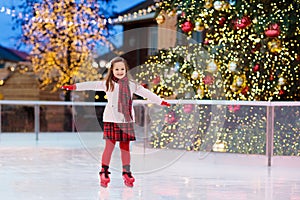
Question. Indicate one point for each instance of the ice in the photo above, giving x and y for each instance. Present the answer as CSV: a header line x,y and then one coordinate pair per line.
x,y
61,166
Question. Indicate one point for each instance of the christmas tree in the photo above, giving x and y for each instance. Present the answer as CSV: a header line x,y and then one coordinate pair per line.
x,y
253,43
252,53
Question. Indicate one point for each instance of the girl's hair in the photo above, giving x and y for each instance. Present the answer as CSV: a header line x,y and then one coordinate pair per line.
x,y
109,82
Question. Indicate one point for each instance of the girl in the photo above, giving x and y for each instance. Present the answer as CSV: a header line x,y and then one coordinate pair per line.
x,y
118,116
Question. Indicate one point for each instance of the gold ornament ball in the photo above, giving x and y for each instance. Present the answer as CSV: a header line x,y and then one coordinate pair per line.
x,y
160,19
199,26
219,146
208,4
200,91
172,13
274,46
225,5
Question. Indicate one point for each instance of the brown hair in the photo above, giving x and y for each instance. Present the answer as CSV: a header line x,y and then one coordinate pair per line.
x,y
109,82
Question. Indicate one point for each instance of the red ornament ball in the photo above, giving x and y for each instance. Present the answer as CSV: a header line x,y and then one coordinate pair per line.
x,y
242,23
234,108
273,30
188,108
208,80
222,21
245,90
281,92
256,68
272,33
156,80
187,26
170,118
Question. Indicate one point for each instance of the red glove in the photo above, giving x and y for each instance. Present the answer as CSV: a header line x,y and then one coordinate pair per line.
x,y
164,103
69,87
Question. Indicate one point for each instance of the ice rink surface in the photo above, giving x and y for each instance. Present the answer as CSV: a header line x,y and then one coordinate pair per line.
x,y
65,166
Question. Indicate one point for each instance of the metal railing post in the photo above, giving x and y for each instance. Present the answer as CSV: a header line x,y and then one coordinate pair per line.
x,y
72,119
146,110
270,134
36,121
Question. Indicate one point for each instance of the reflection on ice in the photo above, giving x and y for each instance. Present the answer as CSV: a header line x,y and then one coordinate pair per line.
x,y
59,167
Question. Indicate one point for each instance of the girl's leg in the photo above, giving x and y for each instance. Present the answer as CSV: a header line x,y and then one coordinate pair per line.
x,y
104,173
125,153
109,148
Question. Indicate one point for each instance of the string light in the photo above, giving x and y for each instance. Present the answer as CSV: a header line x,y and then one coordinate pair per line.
x,y
135,15
109,21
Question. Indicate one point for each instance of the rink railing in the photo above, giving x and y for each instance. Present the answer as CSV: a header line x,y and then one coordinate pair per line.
x,y
268,105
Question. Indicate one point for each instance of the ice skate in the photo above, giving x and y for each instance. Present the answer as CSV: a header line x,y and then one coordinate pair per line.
x,y
128,179
104,178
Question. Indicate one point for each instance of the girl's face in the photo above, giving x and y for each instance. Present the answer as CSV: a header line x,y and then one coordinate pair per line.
x,y
119,70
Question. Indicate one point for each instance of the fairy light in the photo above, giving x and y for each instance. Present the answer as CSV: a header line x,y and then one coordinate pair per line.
x,y
131,16
121,18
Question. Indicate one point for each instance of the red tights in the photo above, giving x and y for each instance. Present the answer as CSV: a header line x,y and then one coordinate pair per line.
x,y
109,147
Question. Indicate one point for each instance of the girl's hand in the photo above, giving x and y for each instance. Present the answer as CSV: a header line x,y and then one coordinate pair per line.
x,y
69,87
164,103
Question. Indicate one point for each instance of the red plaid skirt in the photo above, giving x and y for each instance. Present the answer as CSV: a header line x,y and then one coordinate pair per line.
x,y
119,131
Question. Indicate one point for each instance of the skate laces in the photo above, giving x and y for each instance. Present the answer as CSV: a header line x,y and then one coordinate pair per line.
x,y
128,174
105,172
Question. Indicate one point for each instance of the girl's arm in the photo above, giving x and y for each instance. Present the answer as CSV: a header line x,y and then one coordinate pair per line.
x,y
141,91
90,85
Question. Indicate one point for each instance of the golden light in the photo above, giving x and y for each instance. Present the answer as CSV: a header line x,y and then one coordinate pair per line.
x,y
160,19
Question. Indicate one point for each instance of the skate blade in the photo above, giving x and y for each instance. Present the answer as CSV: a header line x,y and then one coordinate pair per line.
x,y
104,185
128,184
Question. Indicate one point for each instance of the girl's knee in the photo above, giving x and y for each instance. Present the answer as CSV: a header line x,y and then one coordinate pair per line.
x,y
124,145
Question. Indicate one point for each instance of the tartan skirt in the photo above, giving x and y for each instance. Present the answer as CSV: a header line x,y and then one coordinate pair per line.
x,y
119,131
